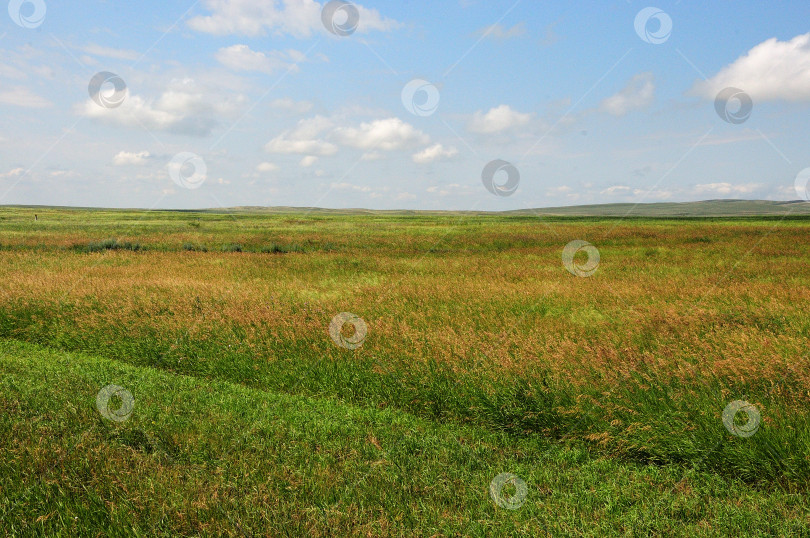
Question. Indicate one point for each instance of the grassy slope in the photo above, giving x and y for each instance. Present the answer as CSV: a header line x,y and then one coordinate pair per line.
x,y
213,458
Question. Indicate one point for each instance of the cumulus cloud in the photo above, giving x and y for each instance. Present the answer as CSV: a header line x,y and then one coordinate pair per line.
x,y
184,108
242,58
638,93
617,190
125,158
434,153
387,134
771,71
726,188
308,161
266,167
320,137
497,119
16,172
23,97
299,18
304,139
500,32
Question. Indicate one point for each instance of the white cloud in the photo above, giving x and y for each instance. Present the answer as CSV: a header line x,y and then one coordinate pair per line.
x,y
304,139
726,188
388,134
242,58
289,105
653,194
308,161
184,108
349,187
773,70
745,135
616,190
23,97
11,72
320,137
638,93
108,52
451,189
562,189
13,173
497,31
64,173
266,167
299,18
497,119
434,153
20,63
125,158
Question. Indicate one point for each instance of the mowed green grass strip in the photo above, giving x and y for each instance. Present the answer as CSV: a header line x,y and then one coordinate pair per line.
x,y
211,458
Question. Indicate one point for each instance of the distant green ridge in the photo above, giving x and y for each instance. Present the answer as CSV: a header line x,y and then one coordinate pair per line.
x,y
706,208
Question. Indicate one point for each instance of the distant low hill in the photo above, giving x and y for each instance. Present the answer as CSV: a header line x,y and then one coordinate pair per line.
x,y
706,208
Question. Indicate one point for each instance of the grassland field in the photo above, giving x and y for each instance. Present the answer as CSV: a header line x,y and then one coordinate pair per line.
x,y
483,355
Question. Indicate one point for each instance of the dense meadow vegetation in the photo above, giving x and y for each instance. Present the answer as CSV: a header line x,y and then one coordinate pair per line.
x,y
603,396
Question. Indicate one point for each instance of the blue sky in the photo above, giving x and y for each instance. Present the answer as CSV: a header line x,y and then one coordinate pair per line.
x,y
247,102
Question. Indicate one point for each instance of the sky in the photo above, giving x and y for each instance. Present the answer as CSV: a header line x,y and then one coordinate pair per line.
x,y
457,105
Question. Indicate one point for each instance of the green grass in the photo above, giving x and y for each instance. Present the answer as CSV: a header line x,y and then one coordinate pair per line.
x,y
479,340
109,244
213,458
